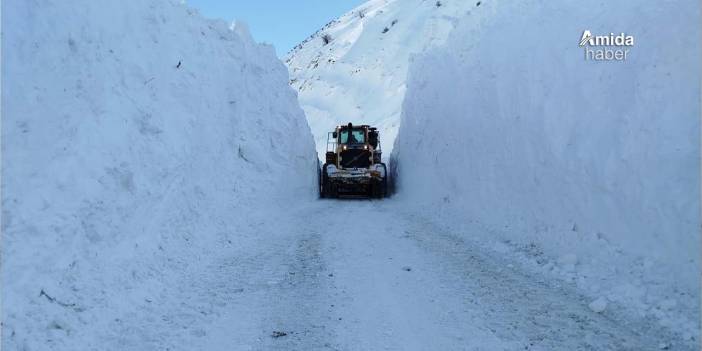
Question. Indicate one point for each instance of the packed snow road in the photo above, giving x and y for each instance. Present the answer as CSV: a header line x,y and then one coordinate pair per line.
x,y
367,275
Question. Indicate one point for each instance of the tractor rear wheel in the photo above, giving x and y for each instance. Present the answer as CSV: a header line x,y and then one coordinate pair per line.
x,y
327,189
324,190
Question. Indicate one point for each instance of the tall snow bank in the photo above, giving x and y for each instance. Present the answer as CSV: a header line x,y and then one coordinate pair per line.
x,y
509,129
137,137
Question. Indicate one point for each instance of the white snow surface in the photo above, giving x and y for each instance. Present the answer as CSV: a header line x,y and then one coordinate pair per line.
x,y
360,75
589,171
152,205
125,171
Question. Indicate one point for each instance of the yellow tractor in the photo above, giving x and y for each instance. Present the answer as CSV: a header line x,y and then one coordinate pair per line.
x,y
353,163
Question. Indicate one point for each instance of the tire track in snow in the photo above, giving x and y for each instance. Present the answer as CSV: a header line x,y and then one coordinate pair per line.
x,y
539,313
402,283
368,275
281,285
298,305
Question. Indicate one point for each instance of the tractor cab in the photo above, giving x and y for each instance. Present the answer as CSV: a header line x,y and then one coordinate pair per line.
x,y
352,146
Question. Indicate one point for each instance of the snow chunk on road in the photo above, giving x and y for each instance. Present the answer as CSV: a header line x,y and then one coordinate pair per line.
x,y
500,247
568,259
598,305
668,304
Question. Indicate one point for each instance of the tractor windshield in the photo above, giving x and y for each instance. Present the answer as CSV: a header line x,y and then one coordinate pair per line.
x,y
357,136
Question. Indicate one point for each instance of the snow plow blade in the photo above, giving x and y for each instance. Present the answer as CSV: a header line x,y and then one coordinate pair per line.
x,y
343,183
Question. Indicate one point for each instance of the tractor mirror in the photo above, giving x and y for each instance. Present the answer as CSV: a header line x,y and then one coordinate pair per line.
x,y
334,135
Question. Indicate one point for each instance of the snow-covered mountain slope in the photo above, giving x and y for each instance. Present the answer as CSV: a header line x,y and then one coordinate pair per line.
x,y
138,141
589,169
360,74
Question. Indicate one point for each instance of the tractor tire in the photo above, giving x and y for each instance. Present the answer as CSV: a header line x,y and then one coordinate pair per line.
x,y
327,190
333,191
319,181
380,189
324,183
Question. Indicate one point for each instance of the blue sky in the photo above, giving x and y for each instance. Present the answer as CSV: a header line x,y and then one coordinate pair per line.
x,y
283,23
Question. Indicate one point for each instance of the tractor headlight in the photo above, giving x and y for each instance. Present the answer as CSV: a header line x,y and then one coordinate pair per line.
x,y
331,169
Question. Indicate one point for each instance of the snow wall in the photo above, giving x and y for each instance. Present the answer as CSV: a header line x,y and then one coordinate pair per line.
x,y
137,137
508,130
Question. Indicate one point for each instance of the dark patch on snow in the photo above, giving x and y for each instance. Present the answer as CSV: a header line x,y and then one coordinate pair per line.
x,y
241,155
277,334
58,302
